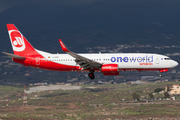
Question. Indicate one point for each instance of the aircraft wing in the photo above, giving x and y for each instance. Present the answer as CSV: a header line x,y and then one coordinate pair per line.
x,y
84,62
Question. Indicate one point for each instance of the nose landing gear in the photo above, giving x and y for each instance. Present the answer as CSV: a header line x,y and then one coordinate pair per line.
x,y
160,75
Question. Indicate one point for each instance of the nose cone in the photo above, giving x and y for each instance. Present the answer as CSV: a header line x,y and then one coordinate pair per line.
x,y
174,63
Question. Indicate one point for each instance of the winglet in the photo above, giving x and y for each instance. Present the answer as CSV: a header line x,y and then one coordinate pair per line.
x,y
63,46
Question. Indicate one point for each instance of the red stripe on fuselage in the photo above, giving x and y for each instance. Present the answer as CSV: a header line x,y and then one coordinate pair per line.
x,y
44,64
56,66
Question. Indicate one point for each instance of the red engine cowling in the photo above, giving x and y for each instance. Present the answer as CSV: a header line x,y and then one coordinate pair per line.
x,y
110,69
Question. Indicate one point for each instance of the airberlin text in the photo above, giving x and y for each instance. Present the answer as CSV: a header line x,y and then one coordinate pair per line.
x,y
146,60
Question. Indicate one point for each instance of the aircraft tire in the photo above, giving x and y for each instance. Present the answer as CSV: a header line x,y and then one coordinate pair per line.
x,y
91,76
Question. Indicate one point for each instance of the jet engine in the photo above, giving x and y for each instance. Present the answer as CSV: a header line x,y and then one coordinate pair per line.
x,y
110,69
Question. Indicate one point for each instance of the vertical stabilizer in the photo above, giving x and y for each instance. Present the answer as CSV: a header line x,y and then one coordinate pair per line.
x,y
20,45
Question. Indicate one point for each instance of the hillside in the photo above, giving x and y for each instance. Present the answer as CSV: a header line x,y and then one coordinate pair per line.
x,y
100,102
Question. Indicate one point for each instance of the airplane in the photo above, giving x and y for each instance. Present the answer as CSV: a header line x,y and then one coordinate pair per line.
x,y
108,64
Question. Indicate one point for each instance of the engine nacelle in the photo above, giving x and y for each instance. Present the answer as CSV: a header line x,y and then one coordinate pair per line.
x,y
110,69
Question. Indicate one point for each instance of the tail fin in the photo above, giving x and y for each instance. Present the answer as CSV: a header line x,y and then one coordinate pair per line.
x,y
20,45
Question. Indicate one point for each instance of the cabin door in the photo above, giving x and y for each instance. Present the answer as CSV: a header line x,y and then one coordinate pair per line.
x,y
37,61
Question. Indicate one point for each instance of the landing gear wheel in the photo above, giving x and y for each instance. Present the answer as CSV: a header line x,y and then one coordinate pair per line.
x,y
91,75
160,75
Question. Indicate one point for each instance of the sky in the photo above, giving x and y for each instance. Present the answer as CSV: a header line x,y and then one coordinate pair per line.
x,y
5,4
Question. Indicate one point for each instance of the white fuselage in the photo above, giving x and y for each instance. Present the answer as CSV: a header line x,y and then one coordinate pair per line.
x,y
124,60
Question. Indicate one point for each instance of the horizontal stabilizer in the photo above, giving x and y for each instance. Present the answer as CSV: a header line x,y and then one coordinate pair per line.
x,y
14,56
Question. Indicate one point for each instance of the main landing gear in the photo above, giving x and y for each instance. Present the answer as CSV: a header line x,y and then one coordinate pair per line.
x,y
91,75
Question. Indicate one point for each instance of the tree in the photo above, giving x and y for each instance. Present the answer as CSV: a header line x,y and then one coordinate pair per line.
x,y
151,95
168,89
166,95
135,96
158,90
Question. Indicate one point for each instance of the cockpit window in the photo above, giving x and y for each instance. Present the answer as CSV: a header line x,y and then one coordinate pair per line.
x,y
167,59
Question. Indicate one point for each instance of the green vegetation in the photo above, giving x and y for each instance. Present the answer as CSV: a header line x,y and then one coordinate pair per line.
x,y
10,91
105,101
166,95
158,90
135,96
151,96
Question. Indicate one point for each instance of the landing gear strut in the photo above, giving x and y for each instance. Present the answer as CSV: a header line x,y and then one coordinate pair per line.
x,y
160,75
91,75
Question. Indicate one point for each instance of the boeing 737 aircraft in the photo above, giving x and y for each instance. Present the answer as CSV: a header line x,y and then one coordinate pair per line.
x,y
107,64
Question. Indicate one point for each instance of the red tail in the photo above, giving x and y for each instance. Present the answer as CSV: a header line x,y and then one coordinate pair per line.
x,y
20,45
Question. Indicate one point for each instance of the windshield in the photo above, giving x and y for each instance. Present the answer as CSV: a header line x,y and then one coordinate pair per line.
x,y
167,59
